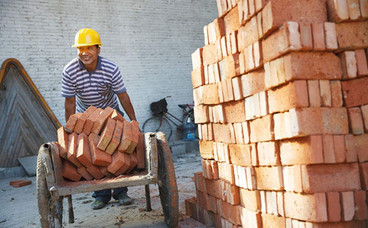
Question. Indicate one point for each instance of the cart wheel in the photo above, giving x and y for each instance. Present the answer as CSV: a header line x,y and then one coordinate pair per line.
x,y
167,188
50,210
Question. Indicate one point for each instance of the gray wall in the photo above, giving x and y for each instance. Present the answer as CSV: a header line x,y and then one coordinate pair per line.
x,y
151,42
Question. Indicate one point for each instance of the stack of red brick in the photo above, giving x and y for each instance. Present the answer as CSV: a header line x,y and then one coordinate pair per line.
x,y
100,143
280,92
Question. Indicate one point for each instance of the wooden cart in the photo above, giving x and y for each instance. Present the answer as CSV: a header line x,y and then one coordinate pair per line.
x,y
52,187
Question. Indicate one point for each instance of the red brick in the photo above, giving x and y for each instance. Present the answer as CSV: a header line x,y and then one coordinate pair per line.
x,y
240,154
105,172
361,212
199,182
245,126
20,183
91,120
250,199
226,172
106,134
261,129
133,163
307,207
338,10
280,204
250,218
361,60
351,148
116,138
318,37
120,163
354,10
234,43
248,34
209,94
126,137
325,66
356,121
197,58
294,94
275,73
269,221
314,93
237,88
63,142
231,212
198,77
251,6
231,21
70,171
325,91
209,54
271,201
268,153
347,199
83,154
234,111
117,116
206,149
358,144
336,93
292,178
72,149
306,38
85,174
134,136
211,33
330,36
98,157
221,133
232,66
275,13
190,208
141,152
349,64
333,206
95,172
339,148
205,33
201,114
328,149
269,178
346,40
101,120
284,40
327,178
231,194
364,8
355,92
240,175
364,109
83,118
72,121
213,188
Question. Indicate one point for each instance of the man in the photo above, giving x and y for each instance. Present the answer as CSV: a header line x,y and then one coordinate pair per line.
x,y
89,80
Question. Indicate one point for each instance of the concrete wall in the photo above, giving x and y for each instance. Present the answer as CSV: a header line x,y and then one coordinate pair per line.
x,y
151,41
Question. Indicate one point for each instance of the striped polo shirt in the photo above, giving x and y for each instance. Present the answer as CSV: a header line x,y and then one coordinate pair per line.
x,y
97,88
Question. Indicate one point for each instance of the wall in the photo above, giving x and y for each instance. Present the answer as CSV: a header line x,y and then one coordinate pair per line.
x,y
151,42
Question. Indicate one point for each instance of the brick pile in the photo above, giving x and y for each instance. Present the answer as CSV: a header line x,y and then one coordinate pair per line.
x,y
100,143
280,92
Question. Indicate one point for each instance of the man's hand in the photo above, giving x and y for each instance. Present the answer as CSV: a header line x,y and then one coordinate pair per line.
x,y
127,105
69,107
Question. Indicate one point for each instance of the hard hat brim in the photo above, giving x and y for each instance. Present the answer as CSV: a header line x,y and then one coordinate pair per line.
x,y
84,45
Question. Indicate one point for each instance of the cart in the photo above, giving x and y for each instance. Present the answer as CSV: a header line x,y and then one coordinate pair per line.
x,y
52,187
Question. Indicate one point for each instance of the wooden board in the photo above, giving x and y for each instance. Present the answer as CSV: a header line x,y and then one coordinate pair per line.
x,y
26,121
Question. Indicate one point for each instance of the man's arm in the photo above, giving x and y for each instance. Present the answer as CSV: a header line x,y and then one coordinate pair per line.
x,y
127,105
69,107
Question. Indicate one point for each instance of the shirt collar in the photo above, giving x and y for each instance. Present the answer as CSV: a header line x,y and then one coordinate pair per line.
x,y
82,67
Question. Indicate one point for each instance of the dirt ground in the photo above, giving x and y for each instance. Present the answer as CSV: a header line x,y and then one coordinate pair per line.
x,y
19,205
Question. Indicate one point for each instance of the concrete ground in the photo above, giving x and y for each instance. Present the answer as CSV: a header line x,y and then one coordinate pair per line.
x,y
19,205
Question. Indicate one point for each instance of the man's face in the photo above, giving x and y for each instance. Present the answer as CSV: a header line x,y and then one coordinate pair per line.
x,y
88,55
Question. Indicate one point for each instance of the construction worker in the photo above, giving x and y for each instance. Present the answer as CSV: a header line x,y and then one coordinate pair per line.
x,y
90,79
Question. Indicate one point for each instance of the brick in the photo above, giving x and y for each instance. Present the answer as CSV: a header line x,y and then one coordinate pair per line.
x,y
134,136
240,154
83,118
250,199
275,13
104,171
349,64
199,182
327,178
275,73
361,60
63,142
351,148
20,183
252,83
336,93
307,207
212,203
250,218
231,212
209,94
83,154
98,157
231,194
325,66
292,178
72,149
268,153
237,88
314,93
198,77
364,8
116,137
339,148
70,171
234,111
346,40
95,172
231,21
213,188
364,109
263,201
106,134
234,43
361,211
318,37
205,33
328,149
271,200
248,34
238,129
209,54
333,207
330,35
201,114
338,10
219,27
132,163
221,133
356,121
284,40
101,120
117,116
190,208
126,137
206,149
294,94
261,129
269,178
90,121
232,66
84,173
347,199
280,204
141,152
354,92
202,199
354,10
356,145
197,58
240,175
226,172
306,38
72,121
325,91
273,221
119,164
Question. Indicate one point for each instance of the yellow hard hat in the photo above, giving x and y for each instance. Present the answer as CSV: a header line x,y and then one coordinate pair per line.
x,y
87,37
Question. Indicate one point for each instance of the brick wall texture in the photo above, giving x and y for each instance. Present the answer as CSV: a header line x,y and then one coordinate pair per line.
x,y
281,105
151,42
